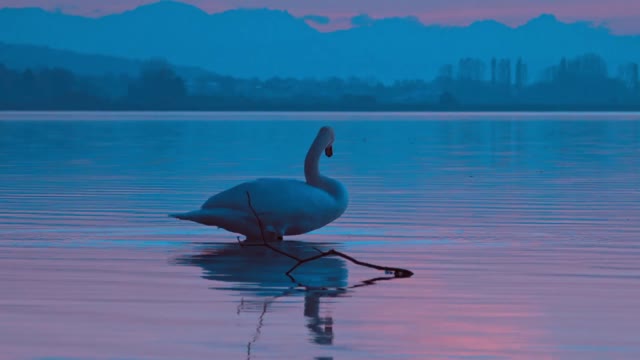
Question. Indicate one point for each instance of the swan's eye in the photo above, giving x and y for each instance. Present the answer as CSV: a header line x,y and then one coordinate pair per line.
x,y
328,151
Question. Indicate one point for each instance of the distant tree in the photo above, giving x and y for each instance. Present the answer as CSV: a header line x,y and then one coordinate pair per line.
x,y
447,99
581,82
56,82
6,91
445,77
358,101
158,87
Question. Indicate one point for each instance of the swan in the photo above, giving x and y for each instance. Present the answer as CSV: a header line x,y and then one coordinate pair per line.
x,y
285,206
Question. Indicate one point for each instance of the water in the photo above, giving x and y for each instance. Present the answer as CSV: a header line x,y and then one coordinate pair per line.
x,y
522,231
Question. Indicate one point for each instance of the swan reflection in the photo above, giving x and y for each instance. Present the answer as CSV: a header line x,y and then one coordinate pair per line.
x,y
258,273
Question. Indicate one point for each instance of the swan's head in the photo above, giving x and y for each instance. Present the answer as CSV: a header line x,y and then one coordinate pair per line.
x,y
327,136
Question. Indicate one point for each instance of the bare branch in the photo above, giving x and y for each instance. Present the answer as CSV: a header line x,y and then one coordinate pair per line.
x,y
397,272
264,240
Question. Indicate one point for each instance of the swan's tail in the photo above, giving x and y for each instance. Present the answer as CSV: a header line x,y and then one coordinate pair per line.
x,y
197,215
224,218
230,220
182,216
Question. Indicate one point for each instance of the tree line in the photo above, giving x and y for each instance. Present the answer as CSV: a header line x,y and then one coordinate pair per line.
x,y
580,83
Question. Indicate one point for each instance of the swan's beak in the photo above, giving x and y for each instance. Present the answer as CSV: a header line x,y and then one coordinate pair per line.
x,y
329,151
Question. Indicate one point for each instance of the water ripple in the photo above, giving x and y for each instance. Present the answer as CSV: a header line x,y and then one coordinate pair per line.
x,y
523,234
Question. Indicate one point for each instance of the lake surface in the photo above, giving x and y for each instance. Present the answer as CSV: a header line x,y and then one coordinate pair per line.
x,y
523,231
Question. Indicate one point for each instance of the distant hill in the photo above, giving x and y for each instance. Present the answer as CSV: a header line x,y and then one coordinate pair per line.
x,y
22,57
265,43
30,56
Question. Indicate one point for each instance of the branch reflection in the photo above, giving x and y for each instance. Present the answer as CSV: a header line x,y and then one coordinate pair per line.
x,y
258,273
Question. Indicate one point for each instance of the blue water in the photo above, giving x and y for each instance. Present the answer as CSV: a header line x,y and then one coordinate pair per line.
x,y
522,231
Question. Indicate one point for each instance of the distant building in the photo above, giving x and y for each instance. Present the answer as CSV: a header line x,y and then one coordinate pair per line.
x,y
503,73
471,69
522,74
586,67
628,74
493,71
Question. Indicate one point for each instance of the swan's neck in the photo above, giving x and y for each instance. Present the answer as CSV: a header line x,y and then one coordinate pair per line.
x,y
313,176
312,164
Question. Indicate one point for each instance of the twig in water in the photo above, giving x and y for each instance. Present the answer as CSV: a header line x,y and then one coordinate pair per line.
x,y
258,330
397,272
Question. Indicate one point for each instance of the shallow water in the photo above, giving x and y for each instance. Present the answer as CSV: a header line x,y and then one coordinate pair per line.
x,y
522,231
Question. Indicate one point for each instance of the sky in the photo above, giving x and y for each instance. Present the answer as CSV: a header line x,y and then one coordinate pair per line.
x,y
621,16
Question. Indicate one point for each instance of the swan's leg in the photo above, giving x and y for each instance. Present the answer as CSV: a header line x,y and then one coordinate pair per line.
x,y
273,234
249,241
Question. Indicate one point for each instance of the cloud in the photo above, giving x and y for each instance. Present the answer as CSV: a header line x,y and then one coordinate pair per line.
x,y
318,19
362,20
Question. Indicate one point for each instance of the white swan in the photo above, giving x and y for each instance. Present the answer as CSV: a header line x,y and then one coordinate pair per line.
x,y
285,207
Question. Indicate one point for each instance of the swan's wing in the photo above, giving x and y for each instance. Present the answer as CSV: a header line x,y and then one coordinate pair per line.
x,y
271,195
289,205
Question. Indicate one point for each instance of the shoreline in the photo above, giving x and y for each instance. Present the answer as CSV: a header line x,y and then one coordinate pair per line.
x,y
83,115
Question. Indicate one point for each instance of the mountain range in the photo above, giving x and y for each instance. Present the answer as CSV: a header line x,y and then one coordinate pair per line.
x,y
265,43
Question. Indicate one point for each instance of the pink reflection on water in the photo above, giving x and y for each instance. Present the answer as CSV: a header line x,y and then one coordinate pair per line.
x,y
88,303
517,301
538,301
442,319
